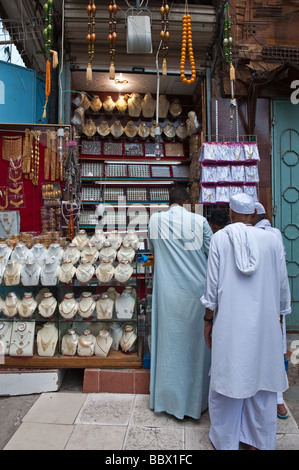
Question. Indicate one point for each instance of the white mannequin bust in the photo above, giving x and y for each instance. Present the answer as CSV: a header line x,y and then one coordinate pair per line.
x,y
22,339
69,343
103,343
49,270
20,253
132,238
123,271
55,251
47,306
98,239
5,253
107,252
86,305
71,253
46,340
116,333
128,339
80,239
69,306
12,273
90,253
126,252
5,337
105,271
86,344
10,305
66,272
30,273
104,307
115,239
124,306
27,306
85,271
38,251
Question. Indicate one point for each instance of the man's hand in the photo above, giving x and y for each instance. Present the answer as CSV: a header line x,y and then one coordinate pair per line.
x,y
208,334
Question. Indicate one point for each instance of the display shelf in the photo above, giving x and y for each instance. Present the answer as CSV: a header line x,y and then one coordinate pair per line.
x,y
115,360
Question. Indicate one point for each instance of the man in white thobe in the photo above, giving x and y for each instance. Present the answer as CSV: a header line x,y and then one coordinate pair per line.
x,y
246,292
180,359
261,221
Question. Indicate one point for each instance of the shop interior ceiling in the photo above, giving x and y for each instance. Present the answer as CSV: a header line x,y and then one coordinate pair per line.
x,y
24,20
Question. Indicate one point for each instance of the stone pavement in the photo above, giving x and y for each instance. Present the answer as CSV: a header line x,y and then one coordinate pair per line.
x,y
108,421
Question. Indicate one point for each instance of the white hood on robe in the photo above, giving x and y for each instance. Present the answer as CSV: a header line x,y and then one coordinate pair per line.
x,y
264,223
245,248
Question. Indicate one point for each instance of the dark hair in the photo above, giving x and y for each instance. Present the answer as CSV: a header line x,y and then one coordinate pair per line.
x,y
219,217
178,196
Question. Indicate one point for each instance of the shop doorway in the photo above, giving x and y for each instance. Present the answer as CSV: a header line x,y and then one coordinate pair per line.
x,y
285,191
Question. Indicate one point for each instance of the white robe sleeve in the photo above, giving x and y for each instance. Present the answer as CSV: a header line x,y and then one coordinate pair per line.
x,y
210,297
285,293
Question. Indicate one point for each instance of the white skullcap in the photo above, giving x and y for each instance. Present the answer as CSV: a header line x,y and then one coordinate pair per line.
x,y
242,203
260,208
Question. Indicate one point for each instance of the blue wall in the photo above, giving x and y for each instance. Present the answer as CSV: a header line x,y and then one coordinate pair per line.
x,y
22,95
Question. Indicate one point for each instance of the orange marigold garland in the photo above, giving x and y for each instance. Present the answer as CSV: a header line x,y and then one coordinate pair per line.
x,y
187,40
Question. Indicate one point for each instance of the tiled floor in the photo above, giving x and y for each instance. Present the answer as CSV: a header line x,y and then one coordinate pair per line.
x,y
108,421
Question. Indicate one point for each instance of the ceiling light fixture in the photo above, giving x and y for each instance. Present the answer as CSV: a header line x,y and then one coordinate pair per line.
x,y
120,81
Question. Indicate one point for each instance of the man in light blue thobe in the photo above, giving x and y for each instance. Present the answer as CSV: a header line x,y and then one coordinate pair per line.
x,y
180,360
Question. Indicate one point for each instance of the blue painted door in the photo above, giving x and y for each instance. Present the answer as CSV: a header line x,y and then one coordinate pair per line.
x,y
285,191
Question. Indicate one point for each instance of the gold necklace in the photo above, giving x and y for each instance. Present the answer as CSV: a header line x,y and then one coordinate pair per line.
x,y
85,311
45,344
17,190
11,148
17,204
4,193
7,223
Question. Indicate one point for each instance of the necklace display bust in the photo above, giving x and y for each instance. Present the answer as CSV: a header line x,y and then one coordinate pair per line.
x,y
55,251
69,343
116,333
123,271
125,252
98,239
22,339
103,343
66,272
12,273
104,307
105,271
80,239
107,252
20,253
30,273
124,306
86,305
85,271
90,253
71,253
128,339
132,238
5,337
86,344
48,274
38,252
69,306
46,340
27,306
5,252
10,305
47,306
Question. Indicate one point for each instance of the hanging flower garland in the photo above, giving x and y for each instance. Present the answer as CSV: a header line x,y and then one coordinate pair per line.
x,y
187,40
164,35
91,37
112,36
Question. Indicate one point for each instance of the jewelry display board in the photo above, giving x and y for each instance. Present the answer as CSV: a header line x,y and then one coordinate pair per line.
x,y
227,169
29,159
77,320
